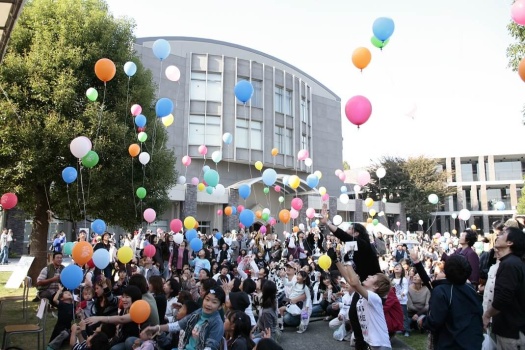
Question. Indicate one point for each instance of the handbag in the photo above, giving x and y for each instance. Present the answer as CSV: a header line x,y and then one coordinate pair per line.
x,y
293,309
488,342
340,332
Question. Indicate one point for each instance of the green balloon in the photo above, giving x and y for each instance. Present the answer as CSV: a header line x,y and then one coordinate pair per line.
x,y
375,222
378,43
266,190
92,94
90,159
265,216
142,136
141,192
281,199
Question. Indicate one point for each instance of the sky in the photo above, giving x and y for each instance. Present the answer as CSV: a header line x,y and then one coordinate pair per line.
x,y
441,87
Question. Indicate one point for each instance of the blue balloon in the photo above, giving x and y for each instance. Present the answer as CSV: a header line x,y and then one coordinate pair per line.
x,y
71,276
130,68
205,169
247,217
191,234
140,120
314,224
244,191
383,28
234,210
312,180
163,107
209,190
269,177
218,235
211,177
344,189
227,138
196,244
243,91
98,226
161,49
101,258
69,174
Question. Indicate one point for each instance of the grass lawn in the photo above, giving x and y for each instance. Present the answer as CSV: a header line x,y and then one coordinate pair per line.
x,y
416,340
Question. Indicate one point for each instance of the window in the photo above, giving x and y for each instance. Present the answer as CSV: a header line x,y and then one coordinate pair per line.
x,y
288,98
304,142
278,99
205,130
304,111
288,142
257,97
248,134
206,86
278,141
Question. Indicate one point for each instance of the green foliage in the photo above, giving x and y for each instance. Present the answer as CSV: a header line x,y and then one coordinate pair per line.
x,y
409,182
521,202
346,166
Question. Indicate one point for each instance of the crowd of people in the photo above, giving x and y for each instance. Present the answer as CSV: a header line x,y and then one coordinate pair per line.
x,y
243,288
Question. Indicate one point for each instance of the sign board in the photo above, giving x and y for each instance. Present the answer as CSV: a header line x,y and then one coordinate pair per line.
x,y
20,272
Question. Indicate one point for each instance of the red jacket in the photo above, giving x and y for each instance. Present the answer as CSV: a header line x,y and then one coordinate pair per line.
x,y
393,312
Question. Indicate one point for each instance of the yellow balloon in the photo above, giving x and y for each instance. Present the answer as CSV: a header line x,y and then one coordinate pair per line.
x,y
167,120
372,212
275,152
258,165
473,227
125,254
369,202
324,262
322,191
318,174
294,181
189,222
454,231
201,187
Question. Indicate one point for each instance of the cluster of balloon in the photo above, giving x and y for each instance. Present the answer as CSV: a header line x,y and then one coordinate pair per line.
x,y
383,28
243,91
378,43
8,201
358,110
81,148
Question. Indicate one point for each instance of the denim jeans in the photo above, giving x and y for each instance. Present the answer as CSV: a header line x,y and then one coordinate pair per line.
x,y
4,255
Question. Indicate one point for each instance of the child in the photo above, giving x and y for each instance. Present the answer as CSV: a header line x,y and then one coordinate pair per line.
x,y
84,307
65,317
186,309
238,324
300,288
344,306
400,283
146,341
98,340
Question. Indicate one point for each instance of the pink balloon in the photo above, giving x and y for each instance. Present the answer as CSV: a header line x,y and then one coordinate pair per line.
x,y
363,178
338,171
241,225
150,215
325,197
150,250
176,225
136,110
195,181
398,223
9,200
277,188
186,160
262,229
203,150
219,212
303,154
297,203
342,176
517,12
358,109
310,213
294,213
272,221
240,208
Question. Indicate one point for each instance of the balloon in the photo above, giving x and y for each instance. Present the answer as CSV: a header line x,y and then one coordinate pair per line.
x,y
194,181
227,138
175,225
398,223
342,176
378,43
101,258
150,251
71,276
344,189
140,120
258,214
433,198
216,156
521,69
454,231
124,255
142,136
189,222
167,120
312,180
318,174
68,248
420,222
247,217
172,73
286,180
454,216
325,197
297,203
358,109
363,177
308,162
275,152
375,222
369,202
310,213
284,216
90,159
139,310
369,220
295,229
80,146
361,57
98,226
141,192
245,191
134,149
302,154
517,12
343,197
500,205
105,69
69,174
211,177
322,190
324,262
269,177
258,165
219,190
228,211
186,160
294,181
181,180
205,169
243,90
196,244
136,110
383,28
266,190
262,229
464,214
372,212
281,199
277,188
473,227
144,158
209,190
201,187
149,215
92,94
178,238
380,172
191,234
203,150
130,68
218,235
294,214
163,107
82,253
161,49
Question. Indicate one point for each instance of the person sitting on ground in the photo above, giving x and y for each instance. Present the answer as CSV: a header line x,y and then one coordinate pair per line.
x,y
48,281
80,341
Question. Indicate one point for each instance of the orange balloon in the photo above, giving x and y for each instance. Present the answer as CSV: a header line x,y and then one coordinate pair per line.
x,y
369,220
284,216
295,229
105,69
275,151
258,214
361,57
228,211
139,311
196,226
521,69
134,150
82,252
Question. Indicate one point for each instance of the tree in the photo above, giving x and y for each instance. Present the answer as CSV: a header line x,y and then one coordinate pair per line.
x,y
516,51
521,202
46,71
409,182
346,166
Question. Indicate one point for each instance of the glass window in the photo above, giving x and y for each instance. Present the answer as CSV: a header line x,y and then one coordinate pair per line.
x,y
288,142
198,86
288,98
466,172
205,130
508,170
257,97
248,134
279,135
304,142
206,87
304,110
278,99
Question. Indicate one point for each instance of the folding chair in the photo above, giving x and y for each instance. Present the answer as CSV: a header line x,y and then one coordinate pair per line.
x,y
24,297
38,328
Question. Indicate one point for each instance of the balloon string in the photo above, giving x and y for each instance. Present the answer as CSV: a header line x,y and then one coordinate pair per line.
x,y
433,221
100,117
133,187
83,197
153,139
69,204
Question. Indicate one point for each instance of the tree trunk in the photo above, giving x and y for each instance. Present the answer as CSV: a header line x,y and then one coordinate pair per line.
x,y
38,244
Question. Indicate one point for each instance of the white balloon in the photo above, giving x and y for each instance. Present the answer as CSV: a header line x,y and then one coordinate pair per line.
x,y
381,172
344,198
266,211
80,146
178,238
216,156
420,222
357,188
181,180
337,220
219,190
173,73
301,227
308,162
454,216
464,214
144,158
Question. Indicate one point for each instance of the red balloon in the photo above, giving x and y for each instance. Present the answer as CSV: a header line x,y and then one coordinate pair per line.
x,y
176,225
141,129
149,250
9,201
